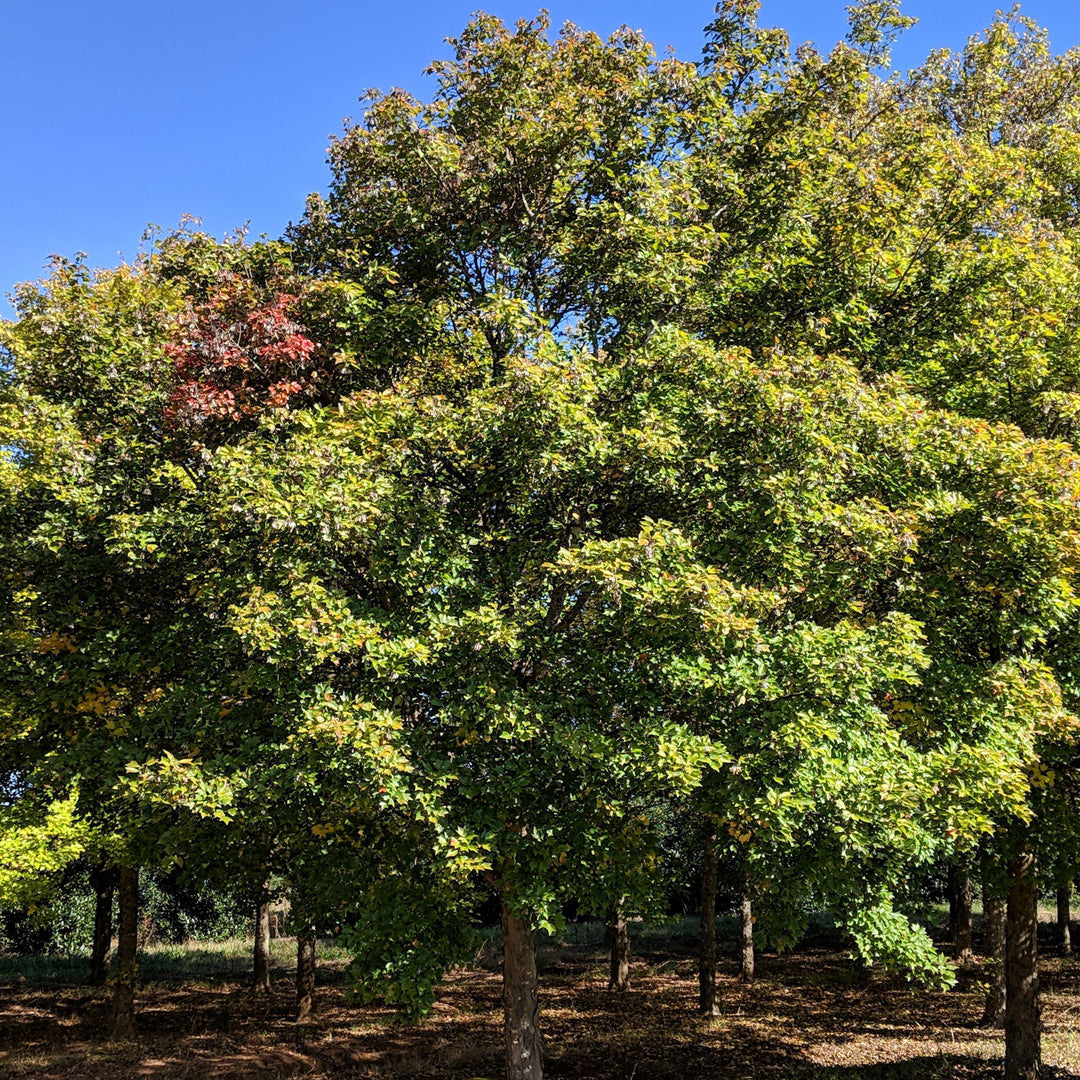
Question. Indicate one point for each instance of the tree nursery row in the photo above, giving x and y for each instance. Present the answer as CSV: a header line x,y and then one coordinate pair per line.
x,y
623,454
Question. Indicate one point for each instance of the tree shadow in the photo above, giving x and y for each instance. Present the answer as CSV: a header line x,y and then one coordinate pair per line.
x,y
812,1016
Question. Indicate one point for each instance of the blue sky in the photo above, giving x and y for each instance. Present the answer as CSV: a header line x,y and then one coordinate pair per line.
x,y
115,114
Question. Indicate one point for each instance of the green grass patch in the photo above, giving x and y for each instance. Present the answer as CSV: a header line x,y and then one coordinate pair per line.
x,y
230,959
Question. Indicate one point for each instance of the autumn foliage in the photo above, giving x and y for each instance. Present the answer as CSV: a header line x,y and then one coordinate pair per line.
x,y
619,450
238,353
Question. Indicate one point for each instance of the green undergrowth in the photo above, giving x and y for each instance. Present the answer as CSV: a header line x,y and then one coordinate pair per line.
x,y
165,962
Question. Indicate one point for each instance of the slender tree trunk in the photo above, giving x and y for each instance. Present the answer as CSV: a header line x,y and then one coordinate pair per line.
x,y
521,1011
618,941
122,1025
746,925
262,948
1064,894
103,878
1023,1021
994,954
305,974
964,952
953,889
707,954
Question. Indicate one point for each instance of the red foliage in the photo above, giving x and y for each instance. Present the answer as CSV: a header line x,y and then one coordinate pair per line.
x,y
237,354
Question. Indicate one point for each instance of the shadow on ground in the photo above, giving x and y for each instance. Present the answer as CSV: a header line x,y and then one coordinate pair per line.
x,y
811,1016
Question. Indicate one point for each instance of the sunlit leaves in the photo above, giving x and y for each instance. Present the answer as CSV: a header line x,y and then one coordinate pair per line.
x,y
618,432
36,843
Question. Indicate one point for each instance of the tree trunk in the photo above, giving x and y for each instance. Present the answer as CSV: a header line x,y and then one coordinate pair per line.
x,y
103,879
618,941
994,954
953,890
122,1026
262,948
521,1019
707,945
1023,1022
305,974
964,953
746,925
1064,894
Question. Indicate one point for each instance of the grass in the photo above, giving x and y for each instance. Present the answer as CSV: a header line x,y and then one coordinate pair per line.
x,y
229,959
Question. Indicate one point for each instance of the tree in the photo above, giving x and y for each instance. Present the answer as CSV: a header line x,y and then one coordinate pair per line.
x,y
993,951
482,578
37,843
81,660
922,224
574,446
116,666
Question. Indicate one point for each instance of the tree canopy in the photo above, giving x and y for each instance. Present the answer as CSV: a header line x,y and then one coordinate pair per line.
x,y
612,426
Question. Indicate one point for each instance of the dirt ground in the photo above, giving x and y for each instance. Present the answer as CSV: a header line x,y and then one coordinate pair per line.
x,y
810,1015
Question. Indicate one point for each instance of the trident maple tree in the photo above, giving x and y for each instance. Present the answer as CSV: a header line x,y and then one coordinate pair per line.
x,y
611,424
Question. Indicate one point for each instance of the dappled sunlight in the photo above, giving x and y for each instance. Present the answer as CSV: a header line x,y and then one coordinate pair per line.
x,y
811,1015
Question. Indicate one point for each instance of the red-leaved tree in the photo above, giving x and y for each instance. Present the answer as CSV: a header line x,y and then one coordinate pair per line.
x,y
239,352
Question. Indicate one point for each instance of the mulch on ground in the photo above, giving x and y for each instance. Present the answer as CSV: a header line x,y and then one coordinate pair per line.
x,y
812,1015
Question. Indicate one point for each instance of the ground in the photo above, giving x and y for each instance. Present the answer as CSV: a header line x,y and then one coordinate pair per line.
x,y
811,1015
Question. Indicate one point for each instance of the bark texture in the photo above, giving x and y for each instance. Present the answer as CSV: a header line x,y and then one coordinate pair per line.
x,y
1064,915
994,954
122,1023
103,879
305,975
261,955
618,941
1023,1020
964,952
746,927
707,944
521,1011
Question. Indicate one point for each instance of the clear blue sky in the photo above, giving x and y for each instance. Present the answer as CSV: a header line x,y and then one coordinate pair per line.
x,y
114,114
